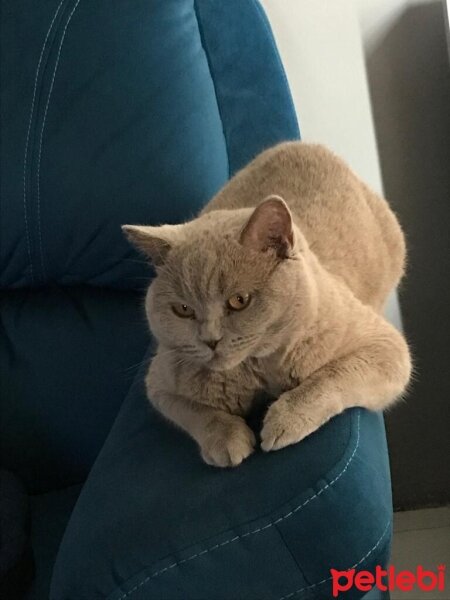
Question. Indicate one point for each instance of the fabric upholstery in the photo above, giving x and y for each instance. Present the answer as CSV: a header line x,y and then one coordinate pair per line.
x,y
50,513
16,564
235,60
102,116
116,111
69,356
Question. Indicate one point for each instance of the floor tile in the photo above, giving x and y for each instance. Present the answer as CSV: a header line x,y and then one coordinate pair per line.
x,y
428,518
427,547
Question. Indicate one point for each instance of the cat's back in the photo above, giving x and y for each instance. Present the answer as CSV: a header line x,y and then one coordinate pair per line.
x,y
351,229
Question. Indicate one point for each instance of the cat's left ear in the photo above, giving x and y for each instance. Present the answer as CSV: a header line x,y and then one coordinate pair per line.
x,y
270,227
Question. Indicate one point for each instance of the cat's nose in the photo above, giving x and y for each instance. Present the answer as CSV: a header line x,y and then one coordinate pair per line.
x,y
212,343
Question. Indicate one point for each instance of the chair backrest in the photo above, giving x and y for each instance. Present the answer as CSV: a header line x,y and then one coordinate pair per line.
x,y
111,113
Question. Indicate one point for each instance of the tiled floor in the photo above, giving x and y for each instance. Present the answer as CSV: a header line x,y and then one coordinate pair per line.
x,y
422,537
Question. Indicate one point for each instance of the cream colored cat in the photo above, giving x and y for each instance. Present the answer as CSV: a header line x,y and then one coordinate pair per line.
x,y
277,286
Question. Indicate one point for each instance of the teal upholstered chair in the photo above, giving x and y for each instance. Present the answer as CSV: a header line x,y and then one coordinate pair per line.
x,y
120,112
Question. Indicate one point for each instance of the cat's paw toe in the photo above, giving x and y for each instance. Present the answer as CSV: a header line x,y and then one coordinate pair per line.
x,y
281,428
229,446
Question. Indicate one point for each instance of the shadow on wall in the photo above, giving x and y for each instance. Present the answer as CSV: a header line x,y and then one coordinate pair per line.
x,y
409,79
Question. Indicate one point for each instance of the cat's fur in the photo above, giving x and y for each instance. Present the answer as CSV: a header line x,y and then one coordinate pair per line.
x,y
313,335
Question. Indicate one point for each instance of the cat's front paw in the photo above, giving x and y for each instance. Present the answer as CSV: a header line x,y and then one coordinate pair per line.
x,y
284,426
228,444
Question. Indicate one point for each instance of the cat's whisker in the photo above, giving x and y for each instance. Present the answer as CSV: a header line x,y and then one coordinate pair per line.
x,y
135,367
244,343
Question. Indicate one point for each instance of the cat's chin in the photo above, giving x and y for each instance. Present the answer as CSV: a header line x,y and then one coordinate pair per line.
x,y
219,363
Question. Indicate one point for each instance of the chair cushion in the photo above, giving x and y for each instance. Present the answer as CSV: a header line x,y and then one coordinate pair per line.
x,y
16,563
68,357
124,113
50,513
153,521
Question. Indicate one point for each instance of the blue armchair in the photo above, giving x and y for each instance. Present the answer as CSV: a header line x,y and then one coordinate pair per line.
x,y
117,113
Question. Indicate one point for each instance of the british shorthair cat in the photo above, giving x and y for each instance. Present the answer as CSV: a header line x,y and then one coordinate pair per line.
x,y
278,286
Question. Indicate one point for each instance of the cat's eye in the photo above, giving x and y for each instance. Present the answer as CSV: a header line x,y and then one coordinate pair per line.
x,y
238,301
183,310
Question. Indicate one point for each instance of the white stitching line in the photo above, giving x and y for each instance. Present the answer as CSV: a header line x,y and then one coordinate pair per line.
x,y
309,587
28,139
42,135
325,487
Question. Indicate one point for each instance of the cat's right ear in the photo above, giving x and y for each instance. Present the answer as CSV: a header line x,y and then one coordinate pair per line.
x,y
154,242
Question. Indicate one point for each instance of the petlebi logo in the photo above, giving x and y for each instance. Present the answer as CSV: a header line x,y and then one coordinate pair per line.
x,y
388,580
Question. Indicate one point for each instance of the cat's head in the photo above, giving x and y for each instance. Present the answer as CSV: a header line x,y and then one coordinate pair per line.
x,y
226,282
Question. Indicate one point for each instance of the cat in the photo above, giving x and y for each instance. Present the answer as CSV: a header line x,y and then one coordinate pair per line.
x,y
277,287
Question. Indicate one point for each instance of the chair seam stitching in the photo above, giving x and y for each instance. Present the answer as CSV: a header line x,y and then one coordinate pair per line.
x,y
361,560
28,139
258,530
42,135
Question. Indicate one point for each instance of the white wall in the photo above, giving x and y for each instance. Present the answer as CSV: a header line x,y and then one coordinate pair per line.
x,y
320,46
